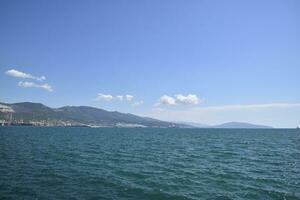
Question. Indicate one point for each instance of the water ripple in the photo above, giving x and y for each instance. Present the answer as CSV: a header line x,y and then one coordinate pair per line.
x,y
83,163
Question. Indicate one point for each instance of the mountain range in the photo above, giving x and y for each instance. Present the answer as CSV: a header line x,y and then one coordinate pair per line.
x,y
39,114
225,125
240,125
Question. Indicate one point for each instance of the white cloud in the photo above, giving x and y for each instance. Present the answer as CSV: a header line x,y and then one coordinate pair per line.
x,y
166,100
128,97
27,84
138,103
189,99
109,97
105,97
19,74
41,78
178,99
120,97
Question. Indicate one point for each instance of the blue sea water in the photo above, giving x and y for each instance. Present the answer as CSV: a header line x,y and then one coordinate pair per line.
x,y
114,163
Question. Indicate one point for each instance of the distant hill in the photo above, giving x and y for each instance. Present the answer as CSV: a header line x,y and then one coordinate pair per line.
x,y
78,115
225,125
240,125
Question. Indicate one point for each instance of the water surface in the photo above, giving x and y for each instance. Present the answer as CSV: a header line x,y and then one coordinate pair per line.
x,y
108,163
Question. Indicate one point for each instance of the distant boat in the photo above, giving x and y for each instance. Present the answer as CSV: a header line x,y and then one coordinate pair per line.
x,y
298,128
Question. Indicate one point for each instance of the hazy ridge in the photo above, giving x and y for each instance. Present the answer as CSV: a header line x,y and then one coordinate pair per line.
x,y
28,112
39,114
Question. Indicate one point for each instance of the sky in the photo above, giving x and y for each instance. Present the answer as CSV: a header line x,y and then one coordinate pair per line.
x,y
205,61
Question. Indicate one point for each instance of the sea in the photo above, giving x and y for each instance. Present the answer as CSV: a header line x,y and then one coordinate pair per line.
x,y
145,163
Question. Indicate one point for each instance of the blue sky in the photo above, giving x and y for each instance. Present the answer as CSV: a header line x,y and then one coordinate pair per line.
x,y
228,60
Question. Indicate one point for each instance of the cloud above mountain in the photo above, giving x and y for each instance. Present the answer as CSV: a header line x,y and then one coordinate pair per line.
x,y
109,97
19,74
138,103
190,99
166,100
104,97
129,97
118,98
29,84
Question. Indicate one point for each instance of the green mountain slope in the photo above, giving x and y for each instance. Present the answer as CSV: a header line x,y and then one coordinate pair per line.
x,y
79,115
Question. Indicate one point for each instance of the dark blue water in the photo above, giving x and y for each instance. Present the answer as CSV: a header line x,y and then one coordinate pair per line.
x,y
86,163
